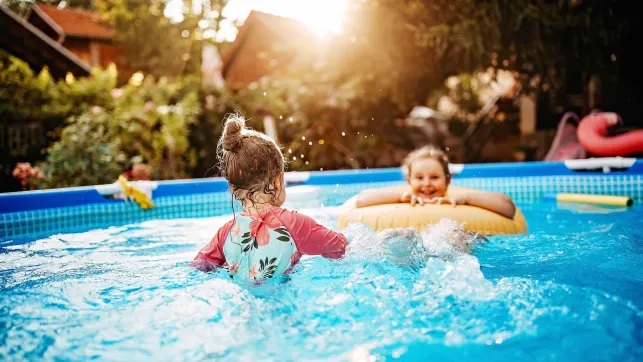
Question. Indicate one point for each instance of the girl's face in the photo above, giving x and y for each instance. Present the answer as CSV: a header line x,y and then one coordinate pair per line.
x,y
427,178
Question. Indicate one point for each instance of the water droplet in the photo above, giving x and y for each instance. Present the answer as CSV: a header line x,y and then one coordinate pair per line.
x,y
321,142
302,155
310,143
289,150
264,94
303,138
343,134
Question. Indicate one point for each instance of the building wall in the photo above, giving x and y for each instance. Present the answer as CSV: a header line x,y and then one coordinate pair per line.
x,y
107,54
80,48
256,57
94,53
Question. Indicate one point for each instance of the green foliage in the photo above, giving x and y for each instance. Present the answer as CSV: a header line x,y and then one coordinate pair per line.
x,y
38,100
87,153
148,41
339,107
155,45
421,43
106,127
147,121
334,123
25,96
396,54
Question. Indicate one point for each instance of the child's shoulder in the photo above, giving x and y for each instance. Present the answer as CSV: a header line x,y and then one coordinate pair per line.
x,y
225,228
284,212
288,216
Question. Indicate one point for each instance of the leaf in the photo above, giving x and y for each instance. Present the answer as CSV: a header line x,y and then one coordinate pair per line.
x,y
261,264
245,241
247,247
283,238
256,246
246,235
272,261
282,231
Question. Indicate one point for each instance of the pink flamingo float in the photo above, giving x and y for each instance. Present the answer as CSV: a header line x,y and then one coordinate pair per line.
x,y
592,131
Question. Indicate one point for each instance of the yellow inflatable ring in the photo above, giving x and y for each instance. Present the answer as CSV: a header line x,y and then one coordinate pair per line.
x,y
403,215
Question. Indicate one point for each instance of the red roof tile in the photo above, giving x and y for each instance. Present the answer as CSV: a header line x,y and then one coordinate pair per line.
x,y
78,23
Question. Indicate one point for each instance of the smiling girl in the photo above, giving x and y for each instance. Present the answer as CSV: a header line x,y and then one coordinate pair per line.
x,y
427,173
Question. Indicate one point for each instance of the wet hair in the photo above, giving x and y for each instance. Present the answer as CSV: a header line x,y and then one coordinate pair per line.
x,y
426,152
249,160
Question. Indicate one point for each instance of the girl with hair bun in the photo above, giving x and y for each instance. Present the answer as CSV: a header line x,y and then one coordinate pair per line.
x,y
265,240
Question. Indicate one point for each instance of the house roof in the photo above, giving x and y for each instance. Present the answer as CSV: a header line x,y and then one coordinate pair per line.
x,y
280,28
26,42
74,23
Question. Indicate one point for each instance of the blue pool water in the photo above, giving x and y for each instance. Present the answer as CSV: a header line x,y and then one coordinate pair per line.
x,y
570,290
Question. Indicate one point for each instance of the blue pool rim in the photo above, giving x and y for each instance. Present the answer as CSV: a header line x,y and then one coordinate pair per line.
x,y
76,196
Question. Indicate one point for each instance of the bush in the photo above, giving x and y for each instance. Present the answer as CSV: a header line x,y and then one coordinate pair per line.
x,y
144,121
88,153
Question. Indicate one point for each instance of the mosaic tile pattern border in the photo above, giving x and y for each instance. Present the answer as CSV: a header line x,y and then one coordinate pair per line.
x,y
45,222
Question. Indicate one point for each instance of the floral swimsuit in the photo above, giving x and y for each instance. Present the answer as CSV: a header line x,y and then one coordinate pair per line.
x,y
269,244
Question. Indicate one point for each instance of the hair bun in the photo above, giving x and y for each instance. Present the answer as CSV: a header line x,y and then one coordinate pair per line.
x,y
232,132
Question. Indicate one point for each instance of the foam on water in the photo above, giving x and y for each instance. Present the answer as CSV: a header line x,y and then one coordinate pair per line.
x,y
127,293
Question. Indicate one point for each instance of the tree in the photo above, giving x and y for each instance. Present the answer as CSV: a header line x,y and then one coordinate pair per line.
x,y
414,45
395,54
148,41
154,44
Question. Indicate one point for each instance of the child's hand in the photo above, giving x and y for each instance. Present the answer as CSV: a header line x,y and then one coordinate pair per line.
x,y
412,198
453,200
419,200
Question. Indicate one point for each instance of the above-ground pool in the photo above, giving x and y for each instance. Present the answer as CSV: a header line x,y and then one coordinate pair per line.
x,y
81,281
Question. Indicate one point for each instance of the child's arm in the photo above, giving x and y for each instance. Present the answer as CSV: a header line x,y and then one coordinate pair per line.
x,y
312,238
211,256
492,201
388,195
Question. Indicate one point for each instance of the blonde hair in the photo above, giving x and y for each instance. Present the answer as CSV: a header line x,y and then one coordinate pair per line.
x,y
426,152
249,160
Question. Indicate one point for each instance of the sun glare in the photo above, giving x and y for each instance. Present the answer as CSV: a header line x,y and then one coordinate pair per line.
x,y
323,17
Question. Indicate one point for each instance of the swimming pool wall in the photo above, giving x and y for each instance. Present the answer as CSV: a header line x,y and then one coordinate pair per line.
x,y
46,212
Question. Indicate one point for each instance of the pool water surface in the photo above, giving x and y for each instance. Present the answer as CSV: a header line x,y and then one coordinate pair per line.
x,y
571,289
